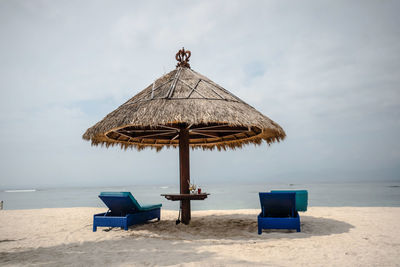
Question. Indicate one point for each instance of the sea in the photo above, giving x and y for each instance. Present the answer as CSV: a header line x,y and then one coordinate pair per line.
x,y
222,196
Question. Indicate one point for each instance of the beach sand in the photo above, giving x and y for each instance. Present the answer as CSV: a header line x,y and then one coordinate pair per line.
x,y
332,236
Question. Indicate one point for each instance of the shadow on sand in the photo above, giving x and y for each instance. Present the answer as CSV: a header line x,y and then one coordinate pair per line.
x,y
236,227
125,251
155,242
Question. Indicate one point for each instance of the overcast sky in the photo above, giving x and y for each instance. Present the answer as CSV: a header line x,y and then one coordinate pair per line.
x,y
327,71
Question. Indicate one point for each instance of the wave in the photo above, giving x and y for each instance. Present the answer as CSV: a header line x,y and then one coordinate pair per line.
x,y
20,191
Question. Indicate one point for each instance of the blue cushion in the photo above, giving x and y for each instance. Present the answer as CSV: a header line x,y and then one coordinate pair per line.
x,y
121,203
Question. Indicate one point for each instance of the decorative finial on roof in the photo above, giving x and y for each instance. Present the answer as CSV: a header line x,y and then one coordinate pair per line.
x,y
183,58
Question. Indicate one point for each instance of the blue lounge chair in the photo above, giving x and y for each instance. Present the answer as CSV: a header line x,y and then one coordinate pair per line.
x,y
278,211
124,211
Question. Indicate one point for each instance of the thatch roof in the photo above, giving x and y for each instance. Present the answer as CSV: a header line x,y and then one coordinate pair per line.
x,y
184,98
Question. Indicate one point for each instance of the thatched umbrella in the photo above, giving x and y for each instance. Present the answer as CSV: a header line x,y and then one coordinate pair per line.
x,y
186,109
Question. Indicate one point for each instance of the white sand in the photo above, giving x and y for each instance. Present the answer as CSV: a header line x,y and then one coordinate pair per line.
x,y
343,236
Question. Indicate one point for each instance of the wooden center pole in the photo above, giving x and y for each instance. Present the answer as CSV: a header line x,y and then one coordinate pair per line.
x,y
184,173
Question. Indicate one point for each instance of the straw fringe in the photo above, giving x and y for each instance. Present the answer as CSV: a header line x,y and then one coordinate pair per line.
x,y
219,146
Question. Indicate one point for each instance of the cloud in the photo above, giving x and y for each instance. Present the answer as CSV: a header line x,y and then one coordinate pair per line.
x,y
327,72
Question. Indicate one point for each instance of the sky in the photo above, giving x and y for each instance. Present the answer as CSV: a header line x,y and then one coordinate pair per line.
x,y
327,71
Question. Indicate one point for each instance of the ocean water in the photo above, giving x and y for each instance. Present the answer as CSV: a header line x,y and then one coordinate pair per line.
x,y
222,196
